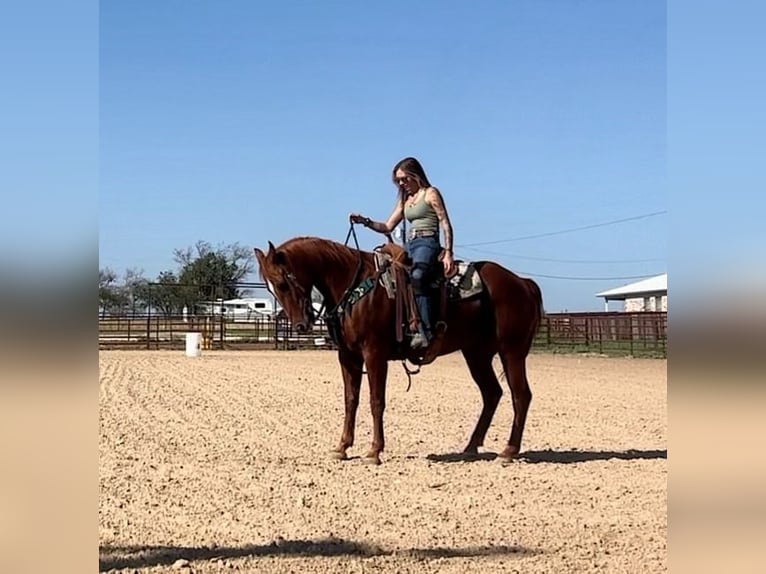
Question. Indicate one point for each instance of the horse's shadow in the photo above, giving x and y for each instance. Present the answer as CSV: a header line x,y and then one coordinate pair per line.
x,y
462,456
556,456
120,557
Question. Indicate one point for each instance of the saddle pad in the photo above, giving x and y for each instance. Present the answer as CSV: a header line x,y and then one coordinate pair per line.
x,y
466,282
462,285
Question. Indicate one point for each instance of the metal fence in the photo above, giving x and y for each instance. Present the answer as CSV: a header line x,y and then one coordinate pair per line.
x,y
640,334
160,332
637,334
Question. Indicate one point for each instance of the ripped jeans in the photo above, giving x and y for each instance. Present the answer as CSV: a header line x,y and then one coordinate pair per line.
x,y
424,253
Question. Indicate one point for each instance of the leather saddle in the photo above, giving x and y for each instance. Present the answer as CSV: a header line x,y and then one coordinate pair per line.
x,y
393,266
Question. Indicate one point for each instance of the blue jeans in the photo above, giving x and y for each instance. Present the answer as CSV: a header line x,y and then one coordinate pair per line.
x,y
424,253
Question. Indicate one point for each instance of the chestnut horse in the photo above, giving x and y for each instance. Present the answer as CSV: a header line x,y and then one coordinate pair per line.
x,y
502,320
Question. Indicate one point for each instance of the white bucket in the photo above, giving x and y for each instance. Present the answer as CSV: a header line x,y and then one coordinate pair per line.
x,y
193,344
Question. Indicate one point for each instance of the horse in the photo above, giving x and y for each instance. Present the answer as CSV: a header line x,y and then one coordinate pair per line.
x,y
503,319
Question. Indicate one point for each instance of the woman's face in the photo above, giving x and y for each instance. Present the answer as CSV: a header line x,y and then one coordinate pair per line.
x,y
408,183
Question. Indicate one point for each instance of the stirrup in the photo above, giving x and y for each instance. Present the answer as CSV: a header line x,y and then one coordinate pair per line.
x,y
419,341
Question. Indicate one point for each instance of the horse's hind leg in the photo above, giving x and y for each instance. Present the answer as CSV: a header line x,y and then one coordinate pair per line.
x,y
351,368
479,363
516,373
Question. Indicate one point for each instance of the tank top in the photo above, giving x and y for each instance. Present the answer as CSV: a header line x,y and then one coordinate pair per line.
x,y
421,215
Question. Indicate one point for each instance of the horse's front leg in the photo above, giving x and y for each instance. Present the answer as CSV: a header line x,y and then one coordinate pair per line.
x,y
377,371
351,368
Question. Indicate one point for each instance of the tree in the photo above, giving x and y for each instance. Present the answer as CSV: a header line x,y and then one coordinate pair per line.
x,y
208,273
205,273
111,298
165,295
136,288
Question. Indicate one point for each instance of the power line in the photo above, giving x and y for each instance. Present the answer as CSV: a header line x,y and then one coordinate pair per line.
x,y
571,278
586,278
515,256
571,230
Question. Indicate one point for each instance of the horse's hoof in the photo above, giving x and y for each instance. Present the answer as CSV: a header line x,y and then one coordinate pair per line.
x,y
338,455
373,460
509,454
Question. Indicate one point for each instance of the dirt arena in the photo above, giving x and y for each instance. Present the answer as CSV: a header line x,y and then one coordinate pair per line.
x,y
220,463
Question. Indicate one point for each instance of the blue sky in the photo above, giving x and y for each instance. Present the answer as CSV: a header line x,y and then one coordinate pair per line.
x,y
248,121
49,142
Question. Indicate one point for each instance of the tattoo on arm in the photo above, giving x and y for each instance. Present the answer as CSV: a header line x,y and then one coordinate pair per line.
x,y
441,212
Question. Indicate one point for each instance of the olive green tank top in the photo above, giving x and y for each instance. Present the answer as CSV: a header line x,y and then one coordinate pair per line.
x,y
421,215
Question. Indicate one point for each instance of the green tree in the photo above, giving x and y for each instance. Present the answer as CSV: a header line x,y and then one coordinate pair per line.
x,y
204,274
207,273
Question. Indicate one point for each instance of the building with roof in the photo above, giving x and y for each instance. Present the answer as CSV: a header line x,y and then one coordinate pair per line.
x,y
649,294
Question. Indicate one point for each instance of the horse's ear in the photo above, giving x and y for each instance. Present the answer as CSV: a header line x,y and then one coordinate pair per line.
x,y
276,257
260,256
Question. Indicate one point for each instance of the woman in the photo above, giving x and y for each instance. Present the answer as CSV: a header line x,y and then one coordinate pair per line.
x,y
423,207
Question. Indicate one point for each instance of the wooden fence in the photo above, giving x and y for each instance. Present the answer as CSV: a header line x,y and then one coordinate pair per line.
x,y
640,334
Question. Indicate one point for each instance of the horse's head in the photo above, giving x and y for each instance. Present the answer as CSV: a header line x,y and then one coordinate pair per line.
x,y
291,287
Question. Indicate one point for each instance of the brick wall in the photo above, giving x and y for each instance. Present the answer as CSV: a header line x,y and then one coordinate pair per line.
x,y
646,304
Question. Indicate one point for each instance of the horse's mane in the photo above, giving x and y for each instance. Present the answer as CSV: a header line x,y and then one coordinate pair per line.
x,y
329,251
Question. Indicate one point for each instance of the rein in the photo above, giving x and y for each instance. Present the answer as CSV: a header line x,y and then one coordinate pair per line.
x,y
332,316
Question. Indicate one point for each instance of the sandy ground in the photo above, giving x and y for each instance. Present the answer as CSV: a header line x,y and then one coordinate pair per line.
x,y
220,463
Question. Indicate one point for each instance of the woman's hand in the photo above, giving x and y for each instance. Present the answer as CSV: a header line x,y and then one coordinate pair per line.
x,y
448,262
356,218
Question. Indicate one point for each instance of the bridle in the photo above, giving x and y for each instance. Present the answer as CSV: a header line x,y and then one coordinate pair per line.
x,y
308,307
332,317
295,285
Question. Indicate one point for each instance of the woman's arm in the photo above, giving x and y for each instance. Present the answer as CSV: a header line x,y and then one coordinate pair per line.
x,y
434,199
380,226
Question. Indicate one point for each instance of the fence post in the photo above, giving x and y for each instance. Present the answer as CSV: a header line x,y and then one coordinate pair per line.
x,y
600,336
149,326
548,332
221,333
632,336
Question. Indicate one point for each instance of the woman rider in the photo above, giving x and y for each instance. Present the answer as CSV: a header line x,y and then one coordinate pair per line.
x,y
423,207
